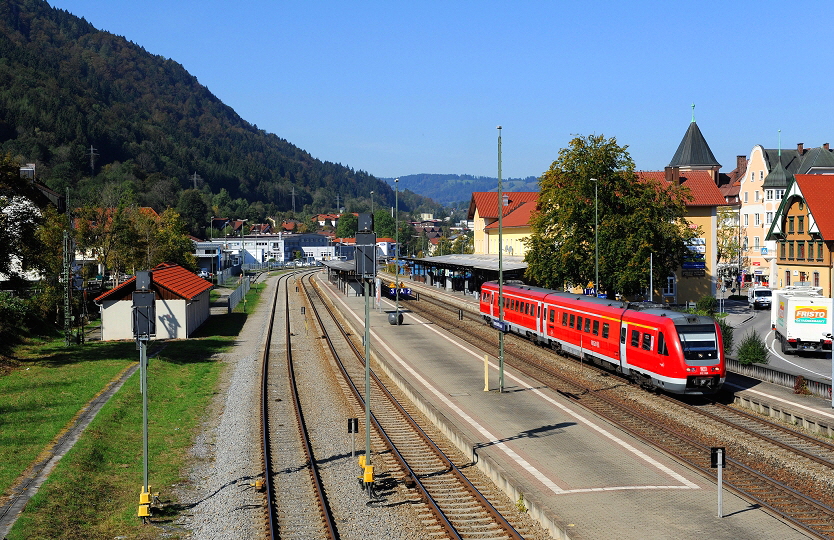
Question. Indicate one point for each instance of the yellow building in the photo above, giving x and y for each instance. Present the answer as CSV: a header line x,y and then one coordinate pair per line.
x,y
483,212
803,231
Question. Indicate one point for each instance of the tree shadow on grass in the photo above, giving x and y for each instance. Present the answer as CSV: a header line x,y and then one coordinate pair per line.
x,y
91,352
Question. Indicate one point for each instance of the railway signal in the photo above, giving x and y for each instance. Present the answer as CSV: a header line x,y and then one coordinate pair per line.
x,y
366,271
144,328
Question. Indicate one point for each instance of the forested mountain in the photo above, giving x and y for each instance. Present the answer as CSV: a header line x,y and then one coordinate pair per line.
x,y
449,189
93,110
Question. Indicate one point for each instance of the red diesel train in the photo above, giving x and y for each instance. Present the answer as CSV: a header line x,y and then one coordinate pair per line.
x,y
672,351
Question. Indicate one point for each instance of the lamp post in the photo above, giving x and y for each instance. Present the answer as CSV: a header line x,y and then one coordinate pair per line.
x,y
596,237
500,275
397,242
372,203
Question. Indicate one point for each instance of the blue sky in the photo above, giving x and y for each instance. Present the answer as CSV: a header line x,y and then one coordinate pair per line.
x,y
397,88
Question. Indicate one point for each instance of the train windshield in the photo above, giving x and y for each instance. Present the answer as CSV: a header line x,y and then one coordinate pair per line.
x,y
699,342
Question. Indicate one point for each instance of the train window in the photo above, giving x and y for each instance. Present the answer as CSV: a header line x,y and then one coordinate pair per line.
x,y
588,325
579,323
635,338
596,328
552,315
661,345
538,311
564,318
622,334
605,330
647,342
526,308
572,320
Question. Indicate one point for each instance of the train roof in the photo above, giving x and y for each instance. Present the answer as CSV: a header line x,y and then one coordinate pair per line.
x,y
659,310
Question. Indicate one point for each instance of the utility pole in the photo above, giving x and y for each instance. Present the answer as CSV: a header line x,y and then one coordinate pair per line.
x,y
68,258
293,201
500,274
194,178
93,155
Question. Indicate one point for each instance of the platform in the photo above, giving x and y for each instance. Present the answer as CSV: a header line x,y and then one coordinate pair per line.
x,y
579,475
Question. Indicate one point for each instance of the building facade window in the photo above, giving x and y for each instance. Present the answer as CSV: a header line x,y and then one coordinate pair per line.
x,y
782,250
787,278
790,225
669,289
816,279
800,224
746,220
769,194
756,196
757,220
745,196
790,250
761,175
800,250
768,218
819,251
756,242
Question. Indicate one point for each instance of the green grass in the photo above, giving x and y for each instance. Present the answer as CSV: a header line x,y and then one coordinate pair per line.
x,y
94,490
45,392
251,300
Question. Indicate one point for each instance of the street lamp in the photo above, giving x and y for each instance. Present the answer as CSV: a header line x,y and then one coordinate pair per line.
x,y
596,237
372,203
500,275
397,242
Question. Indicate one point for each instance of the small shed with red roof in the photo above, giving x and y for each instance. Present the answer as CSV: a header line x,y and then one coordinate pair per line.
x,y
182,304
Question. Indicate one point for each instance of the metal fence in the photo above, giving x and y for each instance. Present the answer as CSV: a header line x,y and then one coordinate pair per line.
x,y
237,295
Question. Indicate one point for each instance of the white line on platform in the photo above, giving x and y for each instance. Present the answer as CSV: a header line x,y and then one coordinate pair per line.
x,y
541,477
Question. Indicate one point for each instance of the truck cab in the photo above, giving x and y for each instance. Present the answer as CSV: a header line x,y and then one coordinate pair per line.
x,y
759,297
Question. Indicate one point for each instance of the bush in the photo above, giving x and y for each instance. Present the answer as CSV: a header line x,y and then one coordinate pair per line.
x,y
707,304
726,335
752,350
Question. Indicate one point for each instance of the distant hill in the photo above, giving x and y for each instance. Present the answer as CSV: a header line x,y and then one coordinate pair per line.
x,y
91,109
450,189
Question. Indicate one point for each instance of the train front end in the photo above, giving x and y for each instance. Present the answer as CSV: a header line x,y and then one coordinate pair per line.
x,y
701,354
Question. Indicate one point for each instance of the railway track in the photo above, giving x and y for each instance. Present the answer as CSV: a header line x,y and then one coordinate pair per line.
x,y
777,489
296,501
454,507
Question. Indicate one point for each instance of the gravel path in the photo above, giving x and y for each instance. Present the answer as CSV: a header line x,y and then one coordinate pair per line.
x,y
218,502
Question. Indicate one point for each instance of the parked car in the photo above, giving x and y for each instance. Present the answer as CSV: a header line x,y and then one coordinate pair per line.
x,y
203,273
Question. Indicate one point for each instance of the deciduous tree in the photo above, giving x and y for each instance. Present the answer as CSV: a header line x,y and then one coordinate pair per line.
x,y
637,217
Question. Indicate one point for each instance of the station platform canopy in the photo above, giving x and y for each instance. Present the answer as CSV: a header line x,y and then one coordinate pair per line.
x,y
475,262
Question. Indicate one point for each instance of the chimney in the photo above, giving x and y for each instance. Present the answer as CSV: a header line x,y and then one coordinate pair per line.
x,y
800,148
825,146
741,164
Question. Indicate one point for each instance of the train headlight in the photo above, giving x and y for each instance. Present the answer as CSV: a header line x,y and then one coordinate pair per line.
x,y
690,369
716,368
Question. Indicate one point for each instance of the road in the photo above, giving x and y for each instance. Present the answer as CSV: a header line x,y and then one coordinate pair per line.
x,y
745,319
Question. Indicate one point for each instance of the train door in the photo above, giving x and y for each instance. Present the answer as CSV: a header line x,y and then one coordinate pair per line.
x,y
623,343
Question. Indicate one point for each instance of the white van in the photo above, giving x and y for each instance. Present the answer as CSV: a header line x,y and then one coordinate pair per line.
x,y
759,297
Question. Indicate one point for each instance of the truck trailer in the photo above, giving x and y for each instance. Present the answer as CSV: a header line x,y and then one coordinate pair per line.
x,y
801,319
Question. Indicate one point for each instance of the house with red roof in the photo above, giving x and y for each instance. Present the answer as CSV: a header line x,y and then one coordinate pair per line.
x,y
515,221
803,230
182,304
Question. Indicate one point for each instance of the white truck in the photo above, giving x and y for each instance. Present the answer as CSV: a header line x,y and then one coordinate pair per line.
x,y
801,319
759,297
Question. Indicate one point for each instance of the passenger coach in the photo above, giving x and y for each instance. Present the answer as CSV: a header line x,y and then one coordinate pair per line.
x,y
669,350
